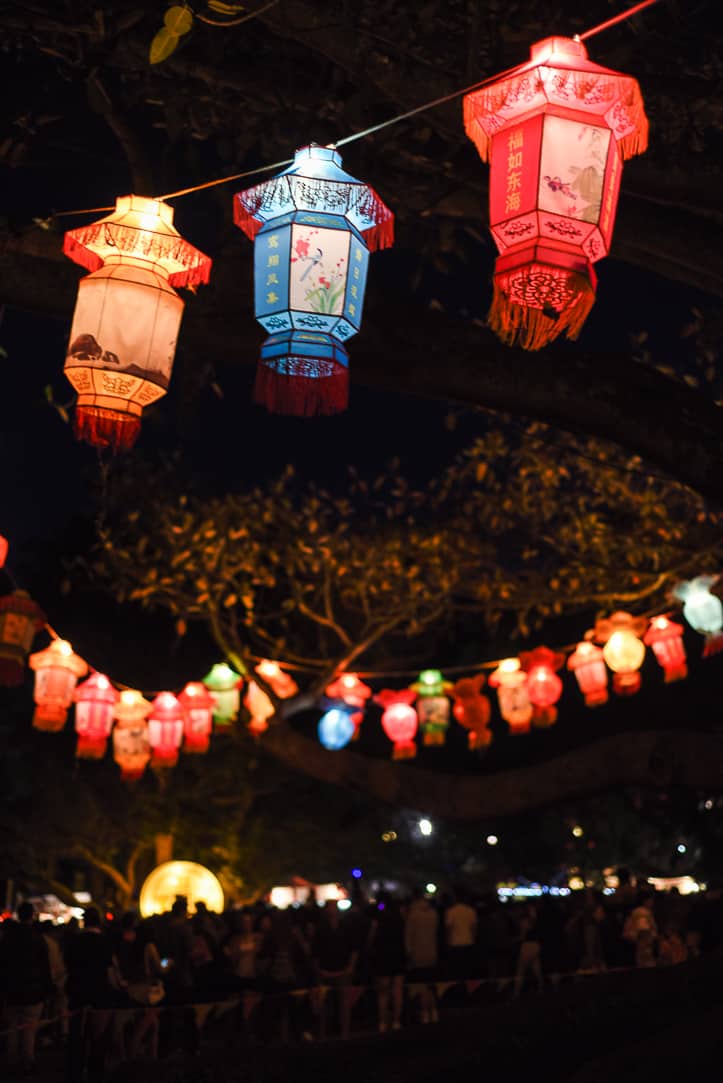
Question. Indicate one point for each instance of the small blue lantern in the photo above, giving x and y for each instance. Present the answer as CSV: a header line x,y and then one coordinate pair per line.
x,y
703,610
313,226
336,728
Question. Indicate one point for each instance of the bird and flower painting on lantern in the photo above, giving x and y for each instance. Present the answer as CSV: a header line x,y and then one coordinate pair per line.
x,y
318,274
572,169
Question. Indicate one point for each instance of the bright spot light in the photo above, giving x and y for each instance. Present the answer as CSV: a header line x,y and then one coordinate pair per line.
x,y
343,904
431,888
389,836
709,804
682,848
576,883
425,826
578,831
492,840
356,873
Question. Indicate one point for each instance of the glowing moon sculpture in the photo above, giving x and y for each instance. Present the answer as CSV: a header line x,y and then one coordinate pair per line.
x,y
172,878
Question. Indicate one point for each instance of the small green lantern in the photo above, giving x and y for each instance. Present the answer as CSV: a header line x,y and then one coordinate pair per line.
x,y
224,683
432,705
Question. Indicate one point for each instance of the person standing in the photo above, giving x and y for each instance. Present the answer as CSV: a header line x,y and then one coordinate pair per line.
x,y
528,956
26,982
420,939
460,927
89,959
334,960
387,960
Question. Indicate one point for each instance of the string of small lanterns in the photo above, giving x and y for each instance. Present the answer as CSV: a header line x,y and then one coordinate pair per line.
x,y
145,731
555,131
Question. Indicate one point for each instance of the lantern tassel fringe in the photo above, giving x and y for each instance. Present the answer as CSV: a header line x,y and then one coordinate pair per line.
x,y
532,328
105,428
301,396
713,644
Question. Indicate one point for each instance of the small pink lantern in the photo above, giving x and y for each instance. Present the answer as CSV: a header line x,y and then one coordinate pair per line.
x,y
352,691
472,710
511,684
57,669
544,687
588,665
399,721
20,619
131,750
258,704
94,703
165,729
666,639
198,704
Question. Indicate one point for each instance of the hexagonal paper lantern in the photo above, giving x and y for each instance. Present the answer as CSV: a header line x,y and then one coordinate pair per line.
x,y
165,730
472,710
433,707
703,610
588,665
224,683
313,226
555,131
198,704
666,638
257,703
126,321
348,688
623,650
399,720
131,749
544,687
94,703
511,683
20,619
57,669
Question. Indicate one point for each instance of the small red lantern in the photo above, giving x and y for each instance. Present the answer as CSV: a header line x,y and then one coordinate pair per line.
x,y
94,703
472,710
588,665
20,619
666,639
198,704
555,131
165,729
258,704
131,749
3,550
399,721
544,687
351,690
511,684
623,650
57,669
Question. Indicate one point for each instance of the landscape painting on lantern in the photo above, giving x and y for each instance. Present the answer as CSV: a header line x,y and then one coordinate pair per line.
x,y
572,168
319,268
84,349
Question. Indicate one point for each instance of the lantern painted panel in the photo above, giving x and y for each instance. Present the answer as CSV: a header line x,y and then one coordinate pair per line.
x,y
703,610
433,707
57,669
472,710
20,619
126,321
131,750
223,683
588,665
313,227
165,729
544,687
666,638
623,650
514,702
197,703
94,703
399,721
336,728
555,131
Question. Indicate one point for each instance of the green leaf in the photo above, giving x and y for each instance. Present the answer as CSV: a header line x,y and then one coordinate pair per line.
x,y
178,20
163,44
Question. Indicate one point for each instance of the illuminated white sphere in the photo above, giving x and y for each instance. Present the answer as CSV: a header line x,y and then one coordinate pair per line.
x,y
172,878
425,826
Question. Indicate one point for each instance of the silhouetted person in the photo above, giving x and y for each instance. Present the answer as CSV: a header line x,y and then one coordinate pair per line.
x,y
26,982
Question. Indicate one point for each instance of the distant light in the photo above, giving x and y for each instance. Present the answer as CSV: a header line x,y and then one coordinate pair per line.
x,y
357,874
343,904
709,804
431,888
608,891
576,883
578,831
425,826
81,896
389,836
381,906
682,848
492,840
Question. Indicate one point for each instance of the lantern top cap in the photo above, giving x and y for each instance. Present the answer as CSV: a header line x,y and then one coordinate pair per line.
x,y
557,50
322,154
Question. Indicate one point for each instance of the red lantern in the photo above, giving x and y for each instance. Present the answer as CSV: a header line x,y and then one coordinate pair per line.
x,y
198,704
20,619
544,687
57,669
623,650
165,730
472,710
555,131
399,721
3,550
94,703
131,750
127,317
588,665
258,704
514,702
352,691
666,639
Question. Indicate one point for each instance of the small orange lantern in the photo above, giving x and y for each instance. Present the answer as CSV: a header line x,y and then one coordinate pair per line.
x,y
57,669
258,704
3,550
165,729
666,639
352,691
131,749
472,710
127,317
588,665
94,703
20,619
511,684
623,650
198,704
399,721
544,687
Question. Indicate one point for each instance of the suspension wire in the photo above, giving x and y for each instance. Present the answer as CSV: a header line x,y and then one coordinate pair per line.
x,y
616,19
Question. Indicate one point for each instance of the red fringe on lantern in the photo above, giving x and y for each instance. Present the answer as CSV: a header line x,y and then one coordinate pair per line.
x,y
713,644
404,750
478,742
48,720
105,428
301,395
626,684
543,717
534,304
91,748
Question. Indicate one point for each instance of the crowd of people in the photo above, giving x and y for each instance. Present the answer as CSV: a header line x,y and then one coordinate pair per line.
x,y
263,957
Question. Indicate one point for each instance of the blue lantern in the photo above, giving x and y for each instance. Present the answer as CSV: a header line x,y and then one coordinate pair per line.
x,y
336,728
313,226
703,610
